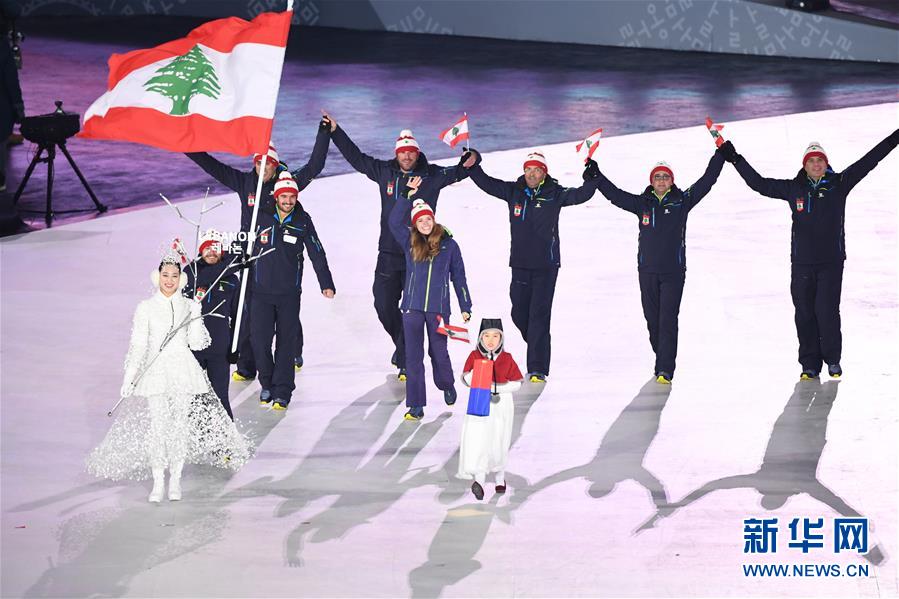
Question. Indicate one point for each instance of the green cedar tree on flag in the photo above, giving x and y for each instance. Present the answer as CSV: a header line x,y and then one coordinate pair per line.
x,y
586,148
715,130
458,132
212,91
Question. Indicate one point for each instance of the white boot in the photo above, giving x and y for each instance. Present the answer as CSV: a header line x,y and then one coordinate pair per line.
x,y
158,485
175,481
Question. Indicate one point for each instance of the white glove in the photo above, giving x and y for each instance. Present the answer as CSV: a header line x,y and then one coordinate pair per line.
x,y
195,308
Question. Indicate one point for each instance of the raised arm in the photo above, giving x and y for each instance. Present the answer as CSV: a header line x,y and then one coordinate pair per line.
x,y
457,274
773,188
228,176
697,191
622,199
365,164
309,171
447,175
319,260
864,165
572,196
503,190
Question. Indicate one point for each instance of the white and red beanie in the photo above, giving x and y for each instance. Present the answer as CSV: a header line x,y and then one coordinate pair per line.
x,y
406,142
419,209
286,184
814,149
536,159
211,238
661,167
270,156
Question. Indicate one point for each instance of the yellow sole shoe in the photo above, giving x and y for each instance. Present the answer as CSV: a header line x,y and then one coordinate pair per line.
x,y
662,380
236,376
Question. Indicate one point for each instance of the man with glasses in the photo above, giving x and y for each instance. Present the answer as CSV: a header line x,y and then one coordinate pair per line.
x,y
661,212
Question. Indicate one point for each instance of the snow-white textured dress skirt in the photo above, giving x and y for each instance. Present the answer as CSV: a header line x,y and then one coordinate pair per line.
x,y
173,415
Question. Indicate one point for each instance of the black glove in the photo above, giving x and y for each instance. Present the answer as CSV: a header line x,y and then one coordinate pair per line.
x,y
729,152
233,356
325,124
591,170
467,155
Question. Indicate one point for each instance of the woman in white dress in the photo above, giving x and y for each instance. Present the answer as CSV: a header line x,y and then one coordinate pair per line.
x,y
170,415
486,439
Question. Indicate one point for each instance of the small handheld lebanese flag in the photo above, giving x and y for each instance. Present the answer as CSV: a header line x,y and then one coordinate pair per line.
x,y
586,148
715,130
456,133
214,90
453,332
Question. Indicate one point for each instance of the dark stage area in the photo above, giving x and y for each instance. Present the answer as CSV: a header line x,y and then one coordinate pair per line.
x,y
516,94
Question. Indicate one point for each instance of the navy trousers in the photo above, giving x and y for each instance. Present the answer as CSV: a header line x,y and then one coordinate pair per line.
x,y
246,363
219,372
268,312
532,292
387,289
417,325
660,295
816,292
298,346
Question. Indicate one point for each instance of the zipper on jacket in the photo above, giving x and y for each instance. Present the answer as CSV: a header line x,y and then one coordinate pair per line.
x,y
411,286
428,284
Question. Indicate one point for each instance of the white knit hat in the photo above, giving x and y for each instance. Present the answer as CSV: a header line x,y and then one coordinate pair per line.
x,y
536,158
271,156
286,184
406,142
419,209
814,149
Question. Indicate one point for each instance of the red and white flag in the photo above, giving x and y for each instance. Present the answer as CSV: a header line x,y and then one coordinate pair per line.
x,y
456,133
586,148
715,130
214,90
453,332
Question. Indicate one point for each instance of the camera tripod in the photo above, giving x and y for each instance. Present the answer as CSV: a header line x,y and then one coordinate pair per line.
x,y
50,148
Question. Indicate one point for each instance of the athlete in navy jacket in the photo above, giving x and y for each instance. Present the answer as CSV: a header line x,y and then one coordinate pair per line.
x,y
661,212
391,175
276,279
535,201
817,200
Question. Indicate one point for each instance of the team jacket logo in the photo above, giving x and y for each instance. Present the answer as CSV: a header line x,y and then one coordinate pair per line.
x,y
390,188
645,218
800,204
201,293
263,238
251,199
517,210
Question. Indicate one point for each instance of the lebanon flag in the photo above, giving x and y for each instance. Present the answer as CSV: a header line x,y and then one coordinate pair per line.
x,y
457,333
586,148
715,130
456,133
214,90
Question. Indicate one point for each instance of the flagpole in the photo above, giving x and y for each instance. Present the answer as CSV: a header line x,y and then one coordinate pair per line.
x,y
467,141
245,273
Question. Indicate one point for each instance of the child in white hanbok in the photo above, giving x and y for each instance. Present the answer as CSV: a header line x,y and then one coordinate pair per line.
x,y
170,414
486,439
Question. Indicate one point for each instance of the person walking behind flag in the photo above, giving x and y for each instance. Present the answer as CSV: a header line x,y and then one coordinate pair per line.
x,y
433,259
817,199
661,212
535,201
391,175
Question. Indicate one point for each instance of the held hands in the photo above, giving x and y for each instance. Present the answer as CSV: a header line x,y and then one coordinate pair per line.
x,y
466,316
591,170
327,121
328,293
729,152
470,158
